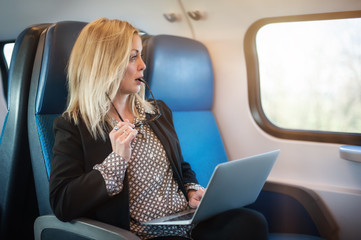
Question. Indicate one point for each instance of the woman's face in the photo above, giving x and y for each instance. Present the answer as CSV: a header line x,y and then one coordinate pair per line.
x,y
135,68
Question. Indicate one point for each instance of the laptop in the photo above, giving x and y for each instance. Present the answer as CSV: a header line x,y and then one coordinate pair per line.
x,y
233,184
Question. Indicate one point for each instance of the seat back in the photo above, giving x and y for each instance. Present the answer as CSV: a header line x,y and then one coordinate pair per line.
x,y
17,198
47,99
179,72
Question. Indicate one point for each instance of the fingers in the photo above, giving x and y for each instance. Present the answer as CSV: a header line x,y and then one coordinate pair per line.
x,y
129,135
198,194
195,198
124,132
122,128
193,203
121,138
122,124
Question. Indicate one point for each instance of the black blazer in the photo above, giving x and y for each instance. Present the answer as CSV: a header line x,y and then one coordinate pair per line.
x,y
76,190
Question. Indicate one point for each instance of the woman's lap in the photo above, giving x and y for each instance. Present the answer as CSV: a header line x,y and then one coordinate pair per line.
x,y
240,223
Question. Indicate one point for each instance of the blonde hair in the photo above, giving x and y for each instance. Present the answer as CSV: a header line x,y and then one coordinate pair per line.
x,y
96,68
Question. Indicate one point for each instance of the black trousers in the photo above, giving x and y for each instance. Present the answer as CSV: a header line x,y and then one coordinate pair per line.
x,y
235,224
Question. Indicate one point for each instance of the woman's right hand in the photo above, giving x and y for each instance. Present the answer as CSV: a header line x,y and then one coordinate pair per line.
x,y
121,138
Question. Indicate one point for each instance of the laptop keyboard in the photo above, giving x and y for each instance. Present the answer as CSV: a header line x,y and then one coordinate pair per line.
x,y
187,216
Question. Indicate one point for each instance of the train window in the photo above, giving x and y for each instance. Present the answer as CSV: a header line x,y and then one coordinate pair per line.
x,y
308,80
8,50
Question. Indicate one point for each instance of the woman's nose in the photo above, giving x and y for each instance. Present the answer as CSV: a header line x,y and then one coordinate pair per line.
x,y
142,65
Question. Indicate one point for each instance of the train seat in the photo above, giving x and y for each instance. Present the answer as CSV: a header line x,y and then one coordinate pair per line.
x,y
17,195
179,72
47,99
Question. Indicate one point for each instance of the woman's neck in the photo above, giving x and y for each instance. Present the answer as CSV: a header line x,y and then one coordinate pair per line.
x,y
121,105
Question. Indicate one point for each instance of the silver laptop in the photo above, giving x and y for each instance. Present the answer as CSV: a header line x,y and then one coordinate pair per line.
x,y
234,184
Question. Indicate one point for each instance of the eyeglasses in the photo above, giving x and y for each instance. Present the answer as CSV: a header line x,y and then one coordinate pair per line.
x,y
155,116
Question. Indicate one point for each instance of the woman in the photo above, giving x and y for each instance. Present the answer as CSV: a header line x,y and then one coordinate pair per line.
x,y
106,164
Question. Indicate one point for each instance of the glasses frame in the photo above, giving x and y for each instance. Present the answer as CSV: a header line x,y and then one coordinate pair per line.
x,y
158,113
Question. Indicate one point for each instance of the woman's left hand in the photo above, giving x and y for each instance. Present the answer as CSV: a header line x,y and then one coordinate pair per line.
x,y
195,197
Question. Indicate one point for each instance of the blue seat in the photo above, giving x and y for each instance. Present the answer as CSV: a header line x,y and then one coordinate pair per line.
x,y
179,72
17,195
47,99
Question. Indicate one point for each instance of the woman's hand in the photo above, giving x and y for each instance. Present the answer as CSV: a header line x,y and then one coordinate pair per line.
x,y
121,138
195,197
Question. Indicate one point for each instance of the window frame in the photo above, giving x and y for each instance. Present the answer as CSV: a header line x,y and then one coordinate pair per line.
x,y
253,80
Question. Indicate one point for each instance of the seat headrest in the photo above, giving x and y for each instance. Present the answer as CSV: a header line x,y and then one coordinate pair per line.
x,y
21,65
52,90
179,72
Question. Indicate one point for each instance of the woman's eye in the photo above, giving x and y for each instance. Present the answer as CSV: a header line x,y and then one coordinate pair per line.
x,y
133,58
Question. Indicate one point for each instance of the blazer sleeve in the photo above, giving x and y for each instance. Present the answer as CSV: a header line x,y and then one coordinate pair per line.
x,y
74,190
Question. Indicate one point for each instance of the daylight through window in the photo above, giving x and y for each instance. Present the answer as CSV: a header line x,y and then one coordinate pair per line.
x,y
8,50
310,74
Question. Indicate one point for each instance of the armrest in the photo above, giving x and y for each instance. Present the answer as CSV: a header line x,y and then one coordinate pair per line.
x,y
351,153
312,203
49,227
